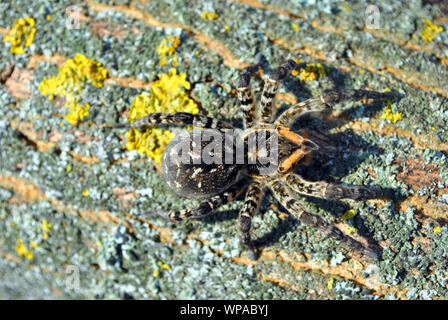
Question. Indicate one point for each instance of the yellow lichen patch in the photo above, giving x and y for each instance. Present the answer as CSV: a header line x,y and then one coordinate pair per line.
x,y
330,283
166,95
161,266
351,229
21,34
46,226
175,62
437,230
349,214
168,48
346,7
70,81
73,74
296,72
295,27
429,32
206,15
77,113
389,115
311,72
23,251
152,142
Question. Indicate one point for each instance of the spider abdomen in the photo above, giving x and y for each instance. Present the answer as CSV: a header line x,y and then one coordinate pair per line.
x,y
194,164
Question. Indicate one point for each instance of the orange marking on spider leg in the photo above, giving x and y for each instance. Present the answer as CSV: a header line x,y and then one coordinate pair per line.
x,y
300,140
287,165
306,146
291,136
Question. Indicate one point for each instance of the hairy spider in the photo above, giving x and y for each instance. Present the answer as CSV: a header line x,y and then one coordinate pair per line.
x,y
220,182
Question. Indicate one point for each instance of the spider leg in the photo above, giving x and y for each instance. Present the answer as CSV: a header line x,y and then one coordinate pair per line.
x,y
282,194
329,190
180,118
244,92
205,207
251,204
270,88
327,101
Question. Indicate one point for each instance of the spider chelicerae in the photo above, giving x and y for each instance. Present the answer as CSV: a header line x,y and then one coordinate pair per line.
x,y
223,178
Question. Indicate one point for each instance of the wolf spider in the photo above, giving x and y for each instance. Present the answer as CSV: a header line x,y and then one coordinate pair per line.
x,y
220,183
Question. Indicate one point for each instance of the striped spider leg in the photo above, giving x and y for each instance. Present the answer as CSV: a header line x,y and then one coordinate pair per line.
x,y
282,193
326,101
270,88
206,207
327,190
179,118
250,207
244,93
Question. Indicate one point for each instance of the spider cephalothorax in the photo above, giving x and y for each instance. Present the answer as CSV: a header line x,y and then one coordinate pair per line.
x,y
218,162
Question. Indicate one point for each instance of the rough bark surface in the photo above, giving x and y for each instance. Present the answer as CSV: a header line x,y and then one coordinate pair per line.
x,y
72,196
